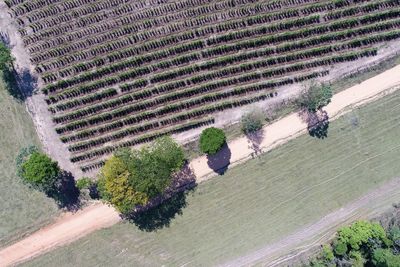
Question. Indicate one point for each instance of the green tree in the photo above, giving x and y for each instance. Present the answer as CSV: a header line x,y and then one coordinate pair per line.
x,y
385,258
327,254
132,177
357,259
252,121
40,171
83,183
114,186
359,235
315,97
212,140
6,59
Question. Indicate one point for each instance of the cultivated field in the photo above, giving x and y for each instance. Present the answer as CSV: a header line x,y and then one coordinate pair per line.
x,y
119,73
260,201
21,210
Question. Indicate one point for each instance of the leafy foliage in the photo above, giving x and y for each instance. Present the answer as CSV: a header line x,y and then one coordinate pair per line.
x,y
83,183
362,244
359,235
40,171
315,97
23,155
131,178
385,258
212,140
6,59
252,121
114,186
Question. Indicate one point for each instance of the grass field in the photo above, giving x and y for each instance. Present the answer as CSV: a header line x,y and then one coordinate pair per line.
x,y
260,201
22,210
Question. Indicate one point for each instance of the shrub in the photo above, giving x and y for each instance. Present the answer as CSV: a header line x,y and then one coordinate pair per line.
x,y
6,59
40,171
212,140
83,183
315,97
252,121
23,155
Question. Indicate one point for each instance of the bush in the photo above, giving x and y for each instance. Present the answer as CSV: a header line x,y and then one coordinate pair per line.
x,y
6,59
212,140
315,97
252,122
83,183
23,156
40,171
132,177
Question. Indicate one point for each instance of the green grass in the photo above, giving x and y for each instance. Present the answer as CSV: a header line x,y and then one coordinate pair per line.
x,y
259,201
22,210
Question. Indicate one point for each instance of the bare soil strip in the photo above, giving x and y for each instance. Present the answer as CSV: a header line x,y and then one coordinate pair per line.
x,y
71,227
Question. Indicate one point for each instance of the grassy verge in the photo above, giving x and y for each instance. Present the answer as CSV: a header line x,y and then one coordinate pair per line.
x,y
22,210
259,201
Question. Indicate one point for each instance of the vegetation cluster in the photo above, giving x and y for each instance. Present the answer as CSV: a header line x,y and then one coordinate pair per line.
x,y
361,244
132,178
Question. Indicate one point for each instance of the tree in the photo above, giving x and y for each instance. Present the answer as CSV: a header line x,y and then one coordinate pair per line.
x,y
40,171
114,186
359,236
315,97
385,258
211,140
133,177
83,183
6,59
252,121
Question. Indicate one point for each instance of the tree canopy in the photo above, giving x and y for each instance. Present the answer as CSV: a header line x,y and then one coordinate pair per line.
x,y
212,140
133,177
360,234
6,59
315,97
40,171
385,258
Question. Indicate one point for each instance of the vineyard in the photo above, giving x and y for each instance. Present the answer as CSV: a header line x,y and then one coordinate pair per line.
x,y
119,73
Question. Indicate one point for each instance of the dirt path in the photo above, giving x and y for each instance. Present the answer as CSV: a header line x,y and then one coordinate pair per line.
x,y
73,226
321,231
292,125
67,228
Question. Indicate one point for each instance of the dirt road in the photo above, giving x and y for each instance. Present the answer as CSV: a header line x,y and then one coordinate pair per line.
x,y
71,227
292,125
67,228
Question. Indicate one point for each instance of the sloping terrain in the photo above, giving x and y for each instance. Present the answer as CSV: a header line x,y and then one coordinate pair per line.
x,y
119,73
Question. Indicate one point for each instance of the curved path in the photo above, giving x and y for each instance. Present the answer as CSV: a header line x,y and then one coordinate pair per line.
x,y
71,227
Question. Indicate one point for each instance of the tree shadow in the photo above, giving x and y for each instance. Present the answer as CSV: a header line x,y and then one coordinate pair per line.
x,y
65,193
160,211
317,123
19,85
5,39
254,140
219,162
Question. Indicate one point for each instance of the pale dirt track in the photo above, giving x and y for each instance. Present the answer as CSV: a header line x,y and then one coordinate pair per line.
x,y
70,227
